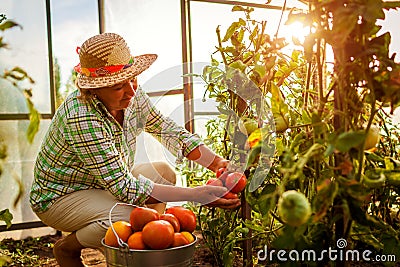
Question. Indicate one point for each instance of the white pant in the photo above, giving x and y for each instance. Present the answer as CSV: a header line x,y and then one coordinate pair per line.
x,y
86,211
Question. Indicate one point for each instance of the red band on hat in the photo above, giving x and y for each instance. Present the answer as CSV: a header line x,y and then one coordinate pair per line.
x,y
101,71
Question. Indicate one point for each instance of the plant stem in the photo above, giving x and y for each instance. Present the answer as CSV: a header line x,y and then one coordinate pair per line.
x,y
220,46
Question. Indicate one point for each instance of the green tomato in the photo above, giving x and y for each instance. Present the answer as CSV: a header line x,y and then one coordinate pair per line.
x,y
281,123
373,180
294,208
372,138
247,126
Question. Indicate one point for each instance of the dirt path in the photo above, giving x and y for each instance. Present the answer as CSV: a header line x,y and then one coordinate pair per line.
x,y
91,257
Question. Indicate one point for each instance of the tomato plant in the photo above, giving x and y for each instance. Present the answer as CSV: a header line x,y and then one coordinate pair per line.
x,y
326,147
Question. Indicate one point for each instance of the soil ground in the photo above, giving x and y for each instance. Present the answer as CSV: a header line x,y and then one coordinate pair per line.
x,y
38,252
41,251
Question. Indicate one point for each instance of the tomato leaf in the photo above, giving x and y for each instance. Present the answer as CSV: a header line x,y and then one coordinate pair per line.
x,y
6,217
348,140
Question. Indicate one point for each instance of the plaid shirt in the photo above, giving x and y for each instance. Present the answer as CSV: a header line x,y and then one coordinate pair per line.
x,y
86,148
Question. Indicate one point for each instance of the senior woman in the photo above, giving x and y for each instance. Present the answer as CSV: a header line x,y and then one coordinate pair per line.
x,y
86,162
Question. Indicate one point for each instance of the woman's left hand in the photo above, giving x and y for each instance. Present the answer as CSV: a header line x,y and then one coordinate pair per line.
x,y
225,203
218,163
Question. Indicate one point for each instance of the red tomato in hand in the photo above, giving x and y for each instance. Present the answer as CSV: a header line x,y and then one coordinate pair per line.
x,y
230,195
236,182
223,177
219,172
214,182
186,217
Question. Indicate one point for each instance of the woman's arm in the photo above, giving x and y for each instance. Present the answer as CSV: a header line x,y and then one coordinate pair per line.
x,y
206,195
207,158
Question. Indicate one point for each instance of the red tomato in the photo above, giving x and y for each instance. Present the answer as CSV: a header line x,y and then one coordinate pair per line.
x,y
236,182
214,182
179,240
219,172
158,234
186,217
223,177
140,216
135,241
123,230
172,220
230,195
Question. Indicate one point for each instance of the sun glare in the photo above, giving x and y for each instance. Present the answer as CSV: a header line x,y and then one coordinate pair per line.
x,y
295,33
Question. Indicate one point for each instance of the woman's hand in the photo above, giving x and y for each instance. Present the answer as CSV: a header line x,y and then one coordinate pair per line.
x,y
212,196
205,194
218,163
225,203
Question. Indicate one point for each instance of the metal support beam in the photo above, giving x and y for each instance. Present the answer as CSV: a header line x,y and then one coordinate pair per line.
x,y
187,66
242,3
100,9
22,226
53,88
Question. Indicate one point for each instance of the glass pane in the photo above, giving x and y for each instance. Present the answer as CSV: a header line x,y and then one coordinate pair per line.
x,y
19,164
200,122
391,24
142,26
72,23
27,49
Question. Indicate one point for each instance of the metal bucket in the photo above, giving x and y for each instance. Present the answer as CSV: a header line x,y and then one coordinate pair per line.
x,y
123,257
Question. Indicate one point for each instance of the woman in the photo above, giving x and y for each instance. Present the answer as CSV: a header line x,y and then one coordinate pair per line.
x,y
86,162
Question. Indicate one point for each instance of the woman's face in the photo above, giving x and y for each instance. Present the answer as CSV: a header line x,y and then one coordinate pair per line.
x,y
117,97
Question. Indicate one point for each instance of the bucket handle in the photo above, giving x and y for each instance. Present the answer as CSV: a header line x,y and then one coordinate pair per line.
x,y
121,243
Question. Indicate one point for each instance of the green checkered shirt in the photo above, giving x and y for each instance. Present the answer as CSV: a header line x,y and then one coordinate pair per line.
x,y
86,148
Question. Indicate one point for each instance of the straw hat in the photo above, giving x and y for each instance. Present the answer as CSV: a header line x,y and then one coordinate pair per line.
x,y
105,60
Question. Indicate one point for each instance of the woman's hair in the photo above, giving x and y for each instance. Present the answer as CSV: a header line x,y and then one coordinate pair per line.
x,y
86,94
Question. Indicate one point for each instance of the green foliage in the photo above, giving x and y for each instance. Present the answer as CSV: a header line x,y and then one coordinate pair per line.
x,y
24,252
6,217
222,231
327,113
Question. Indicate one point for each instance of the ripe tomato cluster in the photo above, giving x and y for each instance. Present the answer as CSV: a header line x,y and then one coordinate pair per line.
x,y
235,182
147,229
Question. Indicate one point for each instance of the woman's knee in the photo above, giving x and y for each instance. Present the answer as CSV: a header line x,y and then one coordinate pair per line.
x,y
166,171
